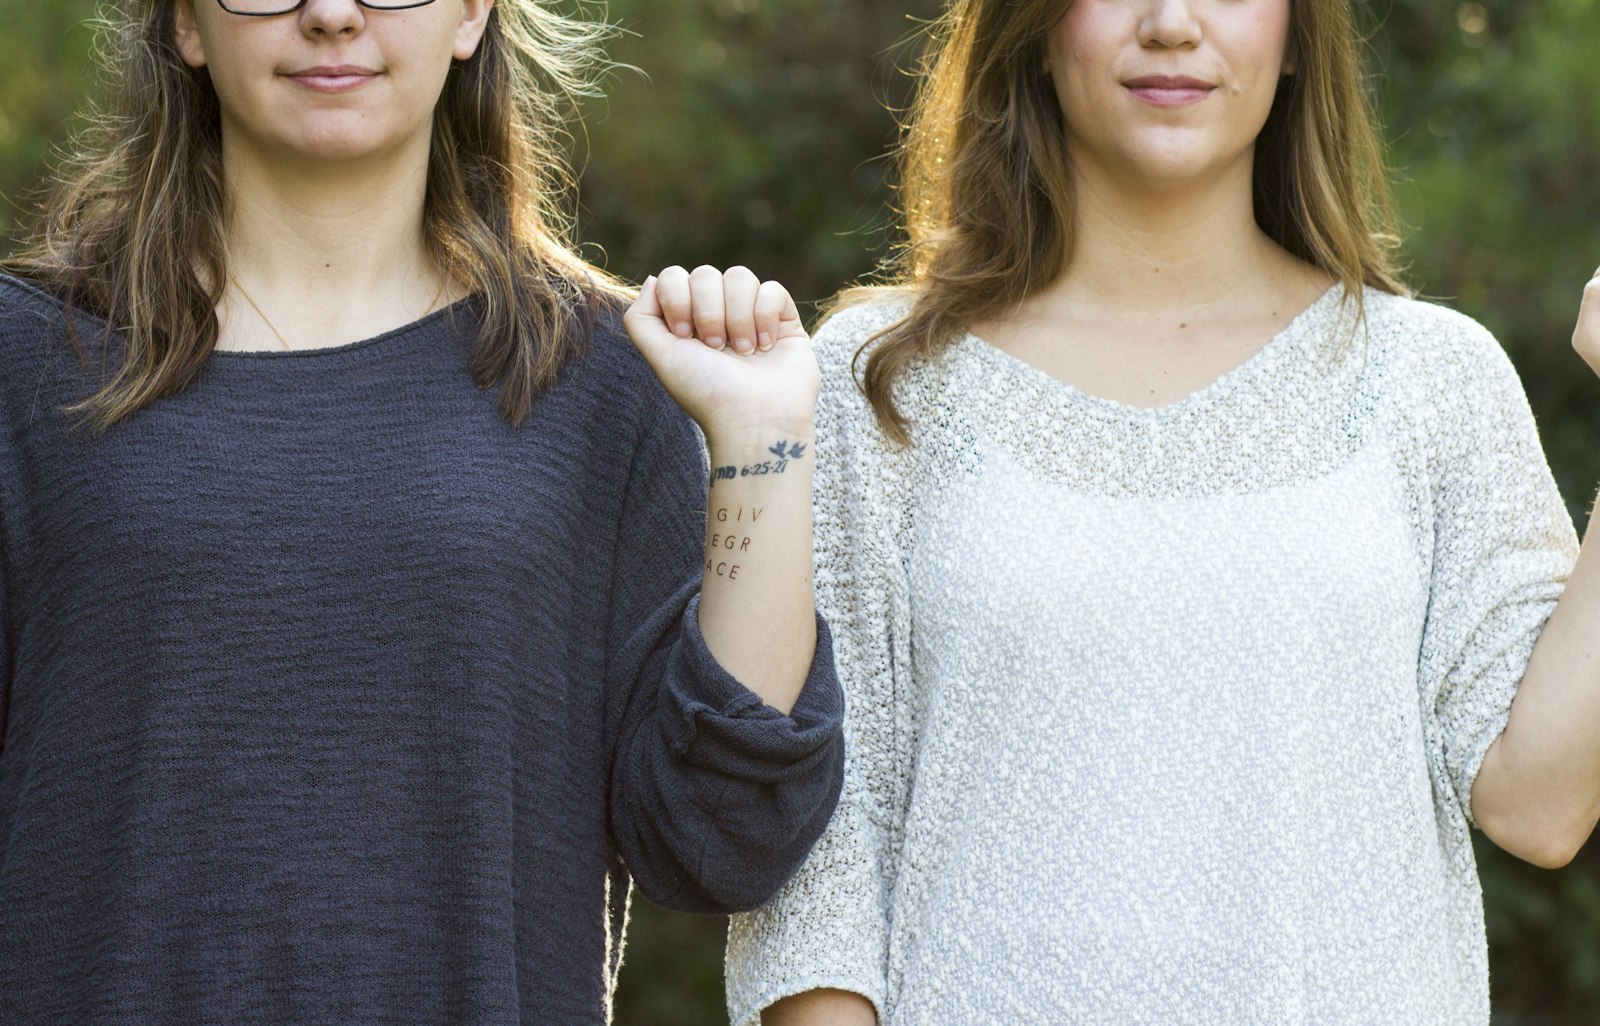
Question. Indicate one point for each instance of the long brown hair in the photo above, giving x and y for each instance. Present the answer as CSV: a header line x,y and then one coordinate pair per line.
x,y
986,194
134,229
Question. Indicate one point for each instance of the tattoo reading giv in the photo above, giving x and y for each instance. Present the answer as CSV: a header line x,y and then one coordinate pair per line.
x,y
719,540
785,452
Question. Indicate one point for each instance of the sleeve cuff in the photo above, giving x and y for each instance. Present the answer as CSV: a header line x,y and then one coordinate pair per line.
x,y
828,927
718,723
748,1012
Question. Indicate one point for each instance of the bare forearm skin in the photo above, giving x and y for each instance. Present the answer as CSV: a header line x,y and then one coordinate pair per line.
x,y
821,1008
1537,794
757,610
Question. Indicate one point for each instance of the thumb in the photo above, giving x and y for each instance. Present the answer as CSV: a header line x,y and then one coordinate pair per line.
x,y
645,324
1587,338
649,301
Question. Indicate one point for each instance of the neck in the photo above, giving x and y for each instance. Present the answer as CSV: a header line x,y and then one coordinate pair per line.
x,y
325,252
329,234
1138,247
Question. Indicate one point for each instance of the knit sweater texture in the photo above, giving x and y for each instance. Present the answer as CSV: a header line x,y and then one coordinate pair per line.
x,y
1169,716
330,697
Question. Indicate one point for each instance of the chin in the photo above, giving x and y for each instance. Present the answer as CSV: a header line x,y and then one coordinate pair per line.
x,y
342,142
1180,163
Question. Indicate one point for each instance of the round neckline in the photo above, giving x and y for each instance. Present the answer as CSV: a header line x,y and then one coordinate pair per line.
x,y
398,339
1252,366
389,340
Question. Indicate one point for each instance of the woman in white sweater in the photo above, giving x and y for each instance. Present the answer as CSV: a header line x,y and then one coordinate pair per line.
x,y
1189,580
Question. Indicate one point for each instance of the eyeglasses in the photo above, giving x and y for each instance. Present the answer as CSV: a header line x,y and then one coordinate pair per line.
x,y
272,8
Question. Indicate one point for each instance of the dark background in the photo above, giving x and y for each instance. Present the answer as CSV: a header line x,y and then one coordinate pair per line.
x,y
753,131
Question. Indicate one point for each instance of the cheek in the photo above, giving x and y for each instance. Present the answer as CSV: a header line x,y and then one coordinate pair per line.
x,y
1257,44
1089,32
236,55
1082,49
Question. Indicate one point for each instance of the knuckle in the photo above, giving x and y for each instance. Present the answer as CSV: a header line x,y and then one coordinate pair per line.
x,y
705,271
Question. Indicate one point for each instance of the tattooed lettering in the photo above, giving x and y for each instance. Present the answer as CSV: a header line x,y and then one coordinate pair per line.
x,y
786,452
719,542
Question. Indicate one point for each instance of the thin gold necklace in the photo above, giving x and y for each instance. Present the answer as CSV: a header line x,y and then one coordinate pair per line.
x,y
274,328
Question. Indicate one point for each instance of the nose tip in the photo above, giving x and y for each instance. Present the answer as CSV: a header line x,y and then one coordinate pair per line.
x,y
340,15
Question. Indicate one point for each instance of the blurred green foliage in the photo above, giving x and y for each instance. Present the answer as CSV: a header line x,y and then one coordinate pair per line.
x,y
753,131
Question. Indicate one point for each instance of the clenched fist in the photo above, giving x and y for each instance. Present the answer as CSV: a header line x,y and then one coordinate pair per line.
x,y
730,349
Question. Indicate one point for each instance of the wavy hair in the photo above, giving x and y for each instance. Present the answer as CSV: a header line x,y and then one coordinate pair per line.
x,y
986,196
133,229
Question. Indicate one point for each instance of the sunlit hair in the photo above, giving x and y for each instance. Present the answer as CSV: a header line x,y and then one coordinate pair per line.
x,y
134,230
986,192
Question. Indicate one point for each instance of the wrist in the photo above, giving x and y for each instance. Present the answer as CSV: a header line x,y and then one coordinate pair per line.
x,y
750,440
772,454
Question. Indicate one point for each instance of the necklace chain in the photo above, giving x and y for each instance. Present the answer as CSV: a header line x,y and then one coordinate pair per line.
x,y
274,328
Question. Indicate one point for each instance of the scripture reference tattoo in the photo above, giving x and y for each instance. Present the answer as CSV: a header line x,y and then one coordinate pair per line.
x,y
784,451
726,541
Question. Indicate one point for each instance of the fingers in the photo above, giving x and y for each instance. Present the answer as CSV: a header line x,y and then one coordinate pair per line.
x,y
1586,339
1589,316
710,314
771,303
677,307
740,289
732,310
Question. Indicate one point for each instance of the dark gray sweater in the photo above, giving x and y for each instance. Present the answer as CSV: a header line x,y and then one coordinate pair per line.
x,y
329,698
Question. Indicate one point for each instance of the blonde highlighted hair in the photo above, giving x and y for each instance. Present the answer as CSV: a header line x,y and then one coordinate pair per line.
x,y
986,193
133,231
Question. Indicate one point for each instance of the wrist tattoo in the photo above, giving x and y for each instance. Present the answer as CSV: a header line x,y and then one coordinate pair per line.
x,y
784,452
720,542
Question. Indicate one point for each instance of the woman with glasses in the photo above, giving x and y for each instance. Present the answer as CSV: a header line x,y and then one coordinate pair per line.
x,y
355,649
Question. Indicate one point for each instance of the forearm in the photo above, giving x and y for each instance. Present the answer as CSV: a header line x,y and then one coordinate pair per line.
x,y
1538,792
821,1008
757,611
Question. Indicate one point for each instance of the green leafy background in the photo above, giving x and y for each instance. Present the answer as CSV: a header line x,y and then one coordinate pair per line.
x,y
753,131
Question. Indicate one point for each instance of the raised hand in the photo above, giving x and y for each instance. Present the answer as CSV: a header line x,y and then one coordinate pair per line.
x,y
730,349
1586,339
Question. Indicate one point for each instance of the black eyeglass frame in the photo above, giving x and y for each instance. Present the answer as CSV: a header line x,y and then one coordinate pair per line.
x,y
368,4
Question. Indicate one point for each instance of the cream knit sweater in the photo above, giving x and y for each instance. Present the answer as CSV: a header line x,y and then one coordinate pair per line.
x,y
1169,716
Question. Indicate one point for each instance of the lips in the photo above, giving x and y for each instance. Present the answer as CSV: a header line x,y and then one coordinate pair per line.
x,y
1169,90
334,78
